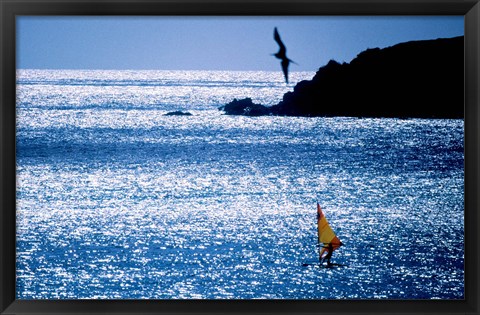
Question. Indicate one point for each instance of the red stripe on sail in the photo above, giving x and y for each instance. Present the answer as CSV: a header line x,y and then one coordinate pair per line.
x,y
336,243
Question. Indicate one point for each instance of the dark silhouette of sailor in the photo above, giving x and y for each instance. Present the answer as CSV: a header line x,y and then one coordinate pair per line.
x,y
282,55
328,256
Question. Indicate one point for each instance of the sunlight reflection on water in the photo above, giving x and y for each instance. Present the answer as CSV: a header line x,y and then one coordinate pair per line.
x,y
238,217
131,204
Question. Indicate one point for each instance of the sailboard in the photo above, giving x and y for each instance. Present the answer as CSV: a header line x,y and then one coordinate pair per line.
x,y
326,235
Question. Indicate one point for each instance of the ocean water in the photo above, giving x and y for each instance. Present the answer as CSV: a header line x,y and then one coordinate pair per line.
x,y
115,200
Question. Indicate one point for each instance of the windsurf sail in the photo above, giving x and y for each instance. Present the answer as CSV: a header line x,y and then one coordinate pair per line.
x,y
325,233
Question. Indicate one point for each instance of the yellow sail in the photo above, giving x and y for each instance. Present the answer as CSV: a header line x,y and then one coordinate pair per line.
x,y
325,233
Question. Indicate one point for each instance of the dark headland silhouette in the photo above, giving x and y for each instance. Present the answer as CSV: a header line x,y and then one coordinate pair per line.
x,y
417,79
282,54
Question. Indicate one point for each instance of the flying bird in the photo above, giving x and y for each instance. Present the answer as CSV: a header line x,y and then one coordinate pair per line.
x,y
282,54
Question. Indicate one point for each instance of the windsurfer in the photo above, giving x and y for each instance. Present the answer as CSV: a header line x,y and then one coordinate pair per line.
x,y
328,256
327,237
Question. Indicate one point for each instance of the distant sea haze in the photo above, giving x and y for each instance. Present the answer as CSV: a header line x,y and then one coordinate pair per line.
x,y
152,89
116,200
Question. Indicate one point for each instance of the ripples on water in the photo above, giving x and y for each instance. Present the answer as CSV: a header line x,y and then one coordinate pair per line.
x,y
115,200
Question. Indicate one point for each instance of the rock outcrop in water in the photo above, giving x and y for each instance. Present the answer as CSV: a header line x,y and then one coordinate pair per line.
x,y
245,107
178,113
417,79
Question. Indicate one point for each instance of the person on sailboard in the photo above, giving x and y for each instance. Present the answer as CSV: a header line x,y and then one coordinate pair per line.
x,y
328,256
327,237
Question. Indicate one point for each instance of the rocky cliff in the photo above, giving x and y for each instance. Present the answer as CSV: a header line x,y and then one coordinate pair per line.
x,y
417,79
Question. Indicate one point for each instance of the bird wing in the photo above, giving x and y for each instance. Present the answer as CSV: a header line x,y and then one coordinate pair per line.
x,y
276,36
285,63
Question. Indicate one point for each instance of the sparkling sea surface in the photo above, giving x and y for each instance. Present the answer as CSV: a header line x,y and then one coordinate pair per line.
x,y
115,200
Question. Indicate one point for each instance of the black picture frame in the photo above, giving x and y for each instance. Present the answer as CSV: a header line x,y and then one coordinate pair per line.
x,y
9,9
